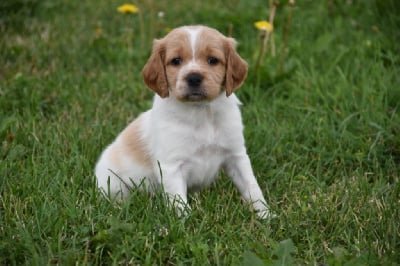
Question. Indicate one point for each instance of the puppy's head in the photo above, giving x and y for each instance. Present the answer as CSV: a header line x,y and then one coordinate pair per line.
x,y
194,63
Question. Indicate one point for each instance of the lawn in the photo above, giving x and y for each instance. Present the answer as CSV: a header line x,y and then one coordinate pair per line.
x,y
322,130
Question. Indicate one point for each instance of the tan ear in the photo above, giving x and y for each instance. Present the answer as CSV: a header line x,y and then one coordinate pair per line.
x,y
236,68
154,71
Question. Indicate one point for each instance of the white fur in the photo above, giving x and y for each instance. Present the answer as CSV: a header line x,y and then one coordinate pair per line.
x,y
193,33
192,64
187,144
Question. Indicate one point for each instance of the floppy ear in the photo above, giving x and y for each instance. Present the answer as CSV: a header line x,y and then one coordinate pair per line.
x,y
236,67
154,71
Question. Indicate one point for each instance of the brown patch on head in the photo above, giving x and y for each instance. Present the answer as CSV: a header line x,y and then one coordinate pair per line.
x,y
236,67
154,72
133,144
178,54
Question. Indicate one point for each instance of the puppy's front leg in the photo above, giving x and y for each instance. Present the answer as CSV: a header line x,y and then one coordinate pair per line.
x,y
238,168
174,185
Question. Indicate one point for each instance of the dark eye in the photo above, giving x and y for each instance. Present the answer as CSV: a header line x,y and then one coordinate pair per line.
x,y
212,61
176,61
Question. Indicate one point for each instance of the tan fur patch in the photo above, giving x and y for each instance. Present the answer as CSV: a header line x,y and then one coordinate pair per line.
x,y
236,67
177,46
133,145
114,157
210,44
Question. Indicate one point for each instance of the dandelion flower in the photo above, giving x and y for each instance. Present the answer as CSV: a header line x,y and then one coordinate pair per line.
x,y
128,8
98,32
264,25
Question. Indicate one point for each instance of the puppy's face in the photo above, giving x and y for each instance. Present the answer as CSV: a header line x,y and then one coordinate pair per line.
x,y
194,63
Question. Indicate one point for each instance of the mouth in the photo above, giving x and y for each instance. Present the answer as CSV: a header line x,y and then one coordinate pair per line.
x,y
195,96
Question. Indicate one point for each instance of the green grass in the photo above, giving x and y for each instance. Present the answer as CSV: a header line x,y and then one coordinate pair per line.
x,y
323,136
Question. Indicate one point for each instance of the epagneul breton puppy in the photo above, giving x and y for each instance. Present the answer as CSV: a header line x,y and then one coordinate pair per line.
x,y
194,127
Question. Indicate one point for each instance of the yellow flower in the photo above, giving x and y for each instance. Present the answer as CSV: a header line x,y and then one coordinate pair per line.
x,y
128,8
264,25
98,32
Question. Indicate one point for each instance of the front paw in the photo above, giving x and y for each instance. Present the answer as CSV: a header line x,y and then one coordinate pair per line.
x,y
180,206
266,214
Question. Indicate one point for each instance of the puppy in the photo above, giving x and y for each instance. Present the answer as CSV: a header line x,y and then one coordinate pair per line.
x,y
194,127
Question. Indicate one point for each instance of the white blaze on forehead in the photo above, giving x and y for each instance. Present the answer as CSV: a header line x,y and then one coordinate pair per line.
x,y
193,34
192,65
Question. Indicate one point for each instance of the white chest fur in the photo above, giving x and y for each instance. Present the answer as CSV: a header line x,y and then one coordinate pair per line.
x,y
198,137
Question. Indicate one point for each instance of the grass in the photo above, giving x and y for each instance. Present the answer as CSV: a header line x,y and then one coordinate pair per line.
x,y
323,136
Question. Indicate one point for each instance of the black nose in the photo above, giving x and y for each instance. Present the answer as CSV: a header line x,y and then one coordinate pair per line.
x,y
194,79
